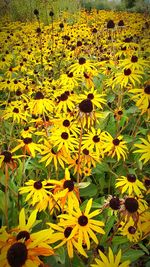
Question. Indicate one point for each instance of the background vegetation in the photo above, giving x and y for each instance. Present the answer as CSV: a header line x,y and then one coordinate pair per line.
x,y
23,9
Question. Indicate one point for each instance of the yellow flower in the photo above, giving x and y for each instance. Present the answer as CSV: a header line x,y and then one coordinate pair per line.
x,y
144,149
40,104
64,139
16,112
114,146
7,157
141,96
66,191
83,224
26,253
130,184
110,261
134,62
50,154
130,230
37,191
96,98
83,65
65,101
92,140
126,76
68,237
28,146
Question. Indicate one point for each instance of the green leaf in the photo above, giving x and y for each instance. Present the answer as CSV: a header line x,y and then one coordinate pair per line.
x,y
102,167
60,256
118,240
2,201
90,191
132,255
143,248
108,226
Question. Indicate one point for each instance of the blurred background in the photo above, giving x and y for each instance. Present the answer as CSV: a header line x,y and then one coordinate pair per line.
x,y
23,9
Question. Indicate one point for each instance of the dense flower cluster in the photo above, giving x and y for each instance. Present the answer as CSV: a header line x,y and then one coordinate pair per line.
x,y
74,137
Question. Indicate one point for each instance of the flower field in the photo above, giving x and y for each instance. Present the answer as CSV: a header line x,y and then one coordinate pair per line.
x,y
75,140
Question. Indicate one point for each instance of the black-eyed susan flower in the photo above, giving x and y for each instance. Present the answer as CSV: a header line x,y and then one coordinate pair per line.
x,y
64,101
114,146
130,184
7,157
97,99
141,96
37,191
25,252
50,154
126,76
69,79
28,146
15,112
83,223
111,260
134,62
132,207
144,149
67,237
113,203
89,157
92,140
40,104
83,65
64,139
118,113
130,230
66,191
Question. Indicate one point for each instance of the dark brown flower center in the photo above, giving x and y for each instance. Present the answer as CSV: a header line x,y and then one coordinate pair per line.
x,y
147,89
38,185
82,220
116,141
121,23
90,96
114,203
17,255
132,230
23,234
134,59
110,24
120,112
82,60
70,74
79,43
96,138
85,151
39,95
66,123
131,205
7,156
63,97
64,135
147,182
16,110
131,178
68,184
86,106
127,72
27,140
68,231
